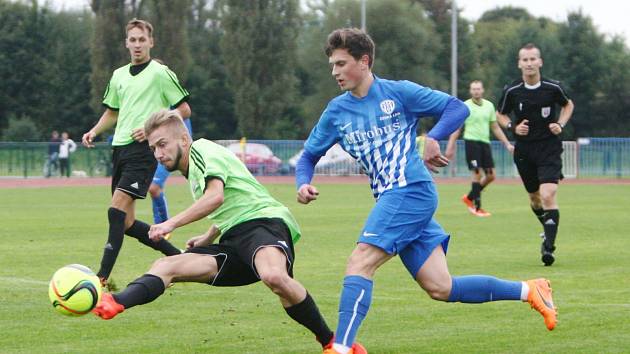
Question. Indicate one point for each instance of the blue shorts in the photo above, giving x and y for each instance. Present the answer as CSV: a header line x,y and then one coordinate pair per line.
x,y
402,223
161,173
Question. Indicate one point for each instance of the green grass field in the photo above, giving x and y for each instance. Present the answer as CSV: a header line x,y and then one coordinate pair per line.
x,y
44,229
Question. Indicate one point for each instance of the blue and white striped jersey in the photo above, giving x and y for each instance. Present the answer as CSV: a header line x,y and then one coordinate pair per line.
x,y
379,130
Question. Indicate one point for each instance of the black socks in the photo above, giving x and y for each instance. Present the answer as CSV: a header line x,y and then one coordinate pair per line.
x,y
307,314
140,231
141,291
551,220
114,241
475,194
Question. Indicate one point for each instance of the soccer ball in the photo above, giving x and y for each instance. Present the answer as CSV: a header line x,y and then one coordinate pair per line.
x,y
74,290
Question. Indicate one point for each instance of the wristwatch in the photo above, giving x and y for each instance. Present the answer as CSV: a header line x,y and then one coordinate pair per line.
x,y
509,126
561,125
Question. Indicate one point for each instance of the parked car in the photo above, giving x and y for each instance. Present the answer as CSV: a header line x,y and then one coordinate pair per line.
x,y
336,162
259,158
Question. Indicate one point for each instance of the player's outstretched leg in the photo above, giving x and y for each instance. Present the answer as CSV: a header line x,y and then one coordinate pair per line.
x,y
271,265
434,278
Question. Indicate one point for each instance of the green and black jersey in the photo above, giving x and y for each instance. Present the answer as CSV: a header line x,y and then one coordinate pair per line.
x,y
136,97
244,197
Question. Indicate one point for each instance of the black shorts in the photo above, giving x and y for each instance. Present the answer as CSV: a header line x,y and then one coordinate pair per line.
x,y
538,162
237,247
133,169
478,155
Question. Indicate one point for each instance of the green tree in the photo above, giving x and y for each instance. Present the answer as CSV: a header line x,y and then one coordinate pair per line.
x,y
402,47
211,99
259,52
22,129
107,46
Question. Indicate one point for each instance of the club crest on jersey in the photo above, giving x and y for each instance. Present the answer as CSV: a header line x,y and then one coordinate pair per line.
x,y
388,106
545,111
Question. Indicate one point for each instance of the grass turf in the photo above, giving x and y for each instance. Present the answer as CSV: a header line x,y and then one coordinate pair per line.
x,y
44,229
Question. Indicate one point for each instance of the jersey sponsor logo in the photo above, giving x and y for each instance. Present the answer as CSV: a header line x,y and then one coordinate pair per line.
x,y
360,136
388,106
134,185
545,111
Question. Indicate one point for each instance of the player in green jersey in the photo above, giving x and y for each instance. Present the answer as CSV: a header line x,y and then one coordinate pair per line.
x,y
477,128
134,92
257,232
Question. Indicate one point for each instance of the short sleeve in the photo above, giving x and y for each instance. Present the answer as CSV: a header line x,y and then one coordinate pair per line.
x,y
323,136
505,103
423,101
561,97
492,117
110,98
172,90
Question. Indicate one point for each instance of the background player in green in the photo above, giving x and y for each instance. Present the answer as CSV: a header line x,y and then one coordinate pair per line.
x,y
257,232
533,100
134,92
477,128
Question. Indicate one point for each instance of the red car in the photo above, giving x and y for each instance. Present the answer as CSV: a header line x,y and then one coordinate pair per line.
x,y
259,158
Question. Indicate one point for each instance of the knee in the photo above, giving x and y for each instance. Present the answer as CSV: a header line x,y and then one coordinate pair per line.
x,y
154,190
438,290
490,177
360,264
274,279
548,198
162,266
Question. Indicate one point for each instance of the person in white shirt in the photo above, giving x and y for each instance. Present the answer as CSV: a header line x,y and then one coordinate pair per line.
x,y
67,147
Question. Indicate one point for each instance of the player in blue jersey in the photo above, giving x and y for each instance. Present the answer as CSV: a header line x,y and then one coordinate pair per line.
x,y
375,121
156,189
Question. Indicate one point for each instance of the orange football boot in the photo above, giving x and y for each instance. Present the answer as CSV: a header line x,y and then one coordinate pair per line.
x,y
539,297
108,308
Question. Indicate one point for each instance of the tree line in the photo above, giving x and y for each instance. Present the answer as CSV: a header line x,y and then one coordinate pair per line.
x,y
257,68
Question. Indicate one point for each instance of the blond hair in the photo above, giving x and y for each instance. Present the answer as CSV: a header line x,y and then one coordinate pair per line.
x,y
141,24
165,117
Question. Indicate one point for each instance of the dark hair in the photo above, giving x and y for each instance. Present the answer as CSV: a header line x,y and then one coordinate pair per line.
x,y
529,46
357,42
142,24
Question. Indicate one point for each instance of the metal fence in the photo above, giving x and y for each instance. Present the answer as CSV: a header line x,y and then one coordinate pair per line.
x,y
585,158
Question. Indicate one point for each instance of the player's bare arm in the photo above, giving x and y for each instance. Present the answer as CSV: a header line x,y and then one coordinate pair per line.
x,y
209,202
107,121
563,118
184,110
452,144
204,240
498,133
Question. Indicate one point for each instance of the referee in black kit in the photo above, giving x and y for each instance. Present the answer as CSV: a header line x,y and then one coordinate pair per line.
x,y
536,126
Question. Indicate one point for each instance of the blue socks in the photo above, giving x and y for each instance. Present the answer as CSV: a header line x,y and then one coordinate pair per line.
x,y
160,209
356,297
483,288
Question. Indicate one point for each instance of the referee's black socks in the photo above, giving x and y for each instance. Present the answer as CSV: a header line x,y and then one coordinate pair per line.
x,y
307,314
540,213
115,237
551,220
141,291
140,231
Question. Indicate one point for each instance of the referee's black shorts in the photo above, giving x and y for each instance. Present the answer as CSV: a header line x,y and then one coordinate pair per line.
x,y
478,155
538,162
133,169
237,247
